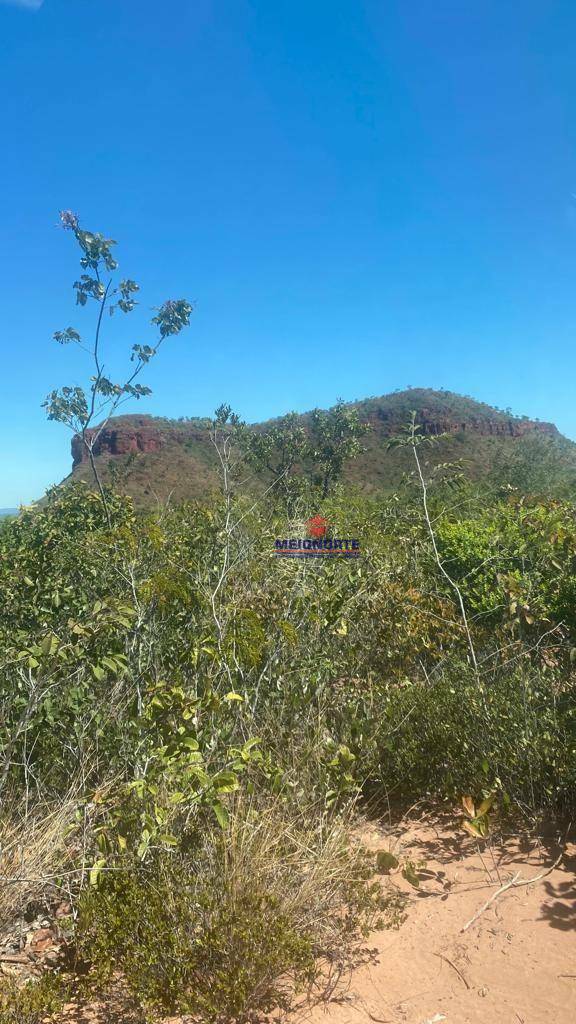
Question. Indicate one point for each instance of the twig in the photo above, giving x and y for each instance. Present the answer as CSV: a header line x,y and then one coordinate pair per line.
x,y
458,971
515,883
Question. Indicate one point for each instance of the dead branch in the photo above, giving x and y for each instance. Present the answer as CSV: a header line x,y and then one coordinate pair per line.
x,y
515,883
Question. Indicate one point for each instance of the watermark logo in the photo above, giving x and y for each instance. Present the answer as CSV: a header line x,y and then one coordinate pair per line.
x,y
318,544
317,526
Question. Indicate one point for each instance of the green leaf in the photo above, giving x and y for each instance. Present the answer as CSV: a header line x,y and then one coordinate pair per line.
x,y
109,663
221,813
385,862
96,870
168,839
410,874
48,645
190,743
225,781
486,805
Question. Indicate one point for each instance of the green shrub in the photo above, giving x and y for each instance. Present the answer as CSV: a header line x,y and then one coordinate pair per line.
x,y
237,926
515,562
31,1002
514,733
166,670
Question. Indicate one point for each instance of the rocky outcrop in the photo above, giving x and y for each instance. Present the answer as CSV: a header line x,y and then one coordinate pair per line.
x,y
125,440
143,434
431,424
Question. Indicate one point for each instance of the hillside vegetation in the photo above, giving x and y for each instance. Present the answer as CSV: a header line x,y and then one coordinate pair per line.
x,y
187,723
155,459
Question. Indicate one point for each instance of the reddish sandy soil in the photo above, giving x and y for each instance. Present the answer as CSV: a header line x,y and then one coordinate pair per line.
x,y
515,965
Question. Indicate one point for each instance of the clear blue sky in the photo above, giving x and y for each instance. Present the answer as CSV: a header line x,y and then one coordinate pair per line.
x,y
357,194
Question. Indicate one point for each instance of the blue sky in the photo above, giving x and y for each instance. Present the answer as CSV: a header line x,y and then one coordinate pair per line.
x,y
358,195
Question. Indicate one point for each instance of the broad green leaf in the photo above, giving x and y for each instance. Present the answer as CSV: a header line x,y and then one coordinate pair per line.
x,y
96,870
385,862
221,813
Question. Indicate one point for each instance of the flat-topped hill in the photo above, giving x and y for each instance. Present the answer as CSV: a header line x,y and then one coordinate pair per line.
x,y
153,457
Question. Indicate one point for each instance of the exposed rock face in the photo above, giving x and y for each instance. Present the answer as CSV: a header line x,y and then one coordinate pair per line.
x,y
123,440
431,424
119,438
155,458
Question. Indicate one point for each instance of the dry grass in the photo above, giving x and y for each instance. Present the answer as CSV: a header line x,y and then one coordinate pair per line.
x,y
305,858
35,853
276,904
317,877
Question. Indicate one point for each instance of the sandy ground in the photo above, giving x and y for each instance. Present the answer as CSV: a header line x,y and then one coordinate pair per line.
x,y
515,965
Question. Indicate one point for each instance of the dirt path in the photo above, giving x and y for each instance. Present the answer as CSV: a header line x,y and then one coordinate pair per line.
x,y
515,965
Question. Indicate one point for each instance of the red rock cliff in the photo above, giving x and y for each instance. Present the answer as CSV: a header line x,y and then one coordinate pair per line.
x,y
430,423
124,440
119,439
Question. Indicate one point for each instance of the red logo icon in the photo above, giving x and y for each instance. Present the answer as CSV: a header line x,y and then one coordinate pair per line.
x,y
317,526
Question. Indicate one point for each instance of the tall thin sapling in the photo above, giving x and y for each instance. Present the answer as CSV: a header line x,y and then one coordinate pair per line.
x,y
80,407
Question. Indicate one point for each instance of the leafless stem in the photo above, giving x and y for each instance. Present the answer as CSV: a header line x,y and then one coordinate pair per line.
x,y
437,557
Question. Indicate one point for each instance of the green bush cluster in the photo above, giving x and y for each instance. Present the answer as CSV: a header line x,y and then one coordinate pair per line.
x,y
33,1001
184,950
514,734
157,668
241,922
117,657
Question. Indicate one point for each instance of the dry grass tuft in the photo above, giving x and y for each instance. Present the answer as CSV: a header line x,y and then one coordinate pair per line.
x,y
35,856
276,904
